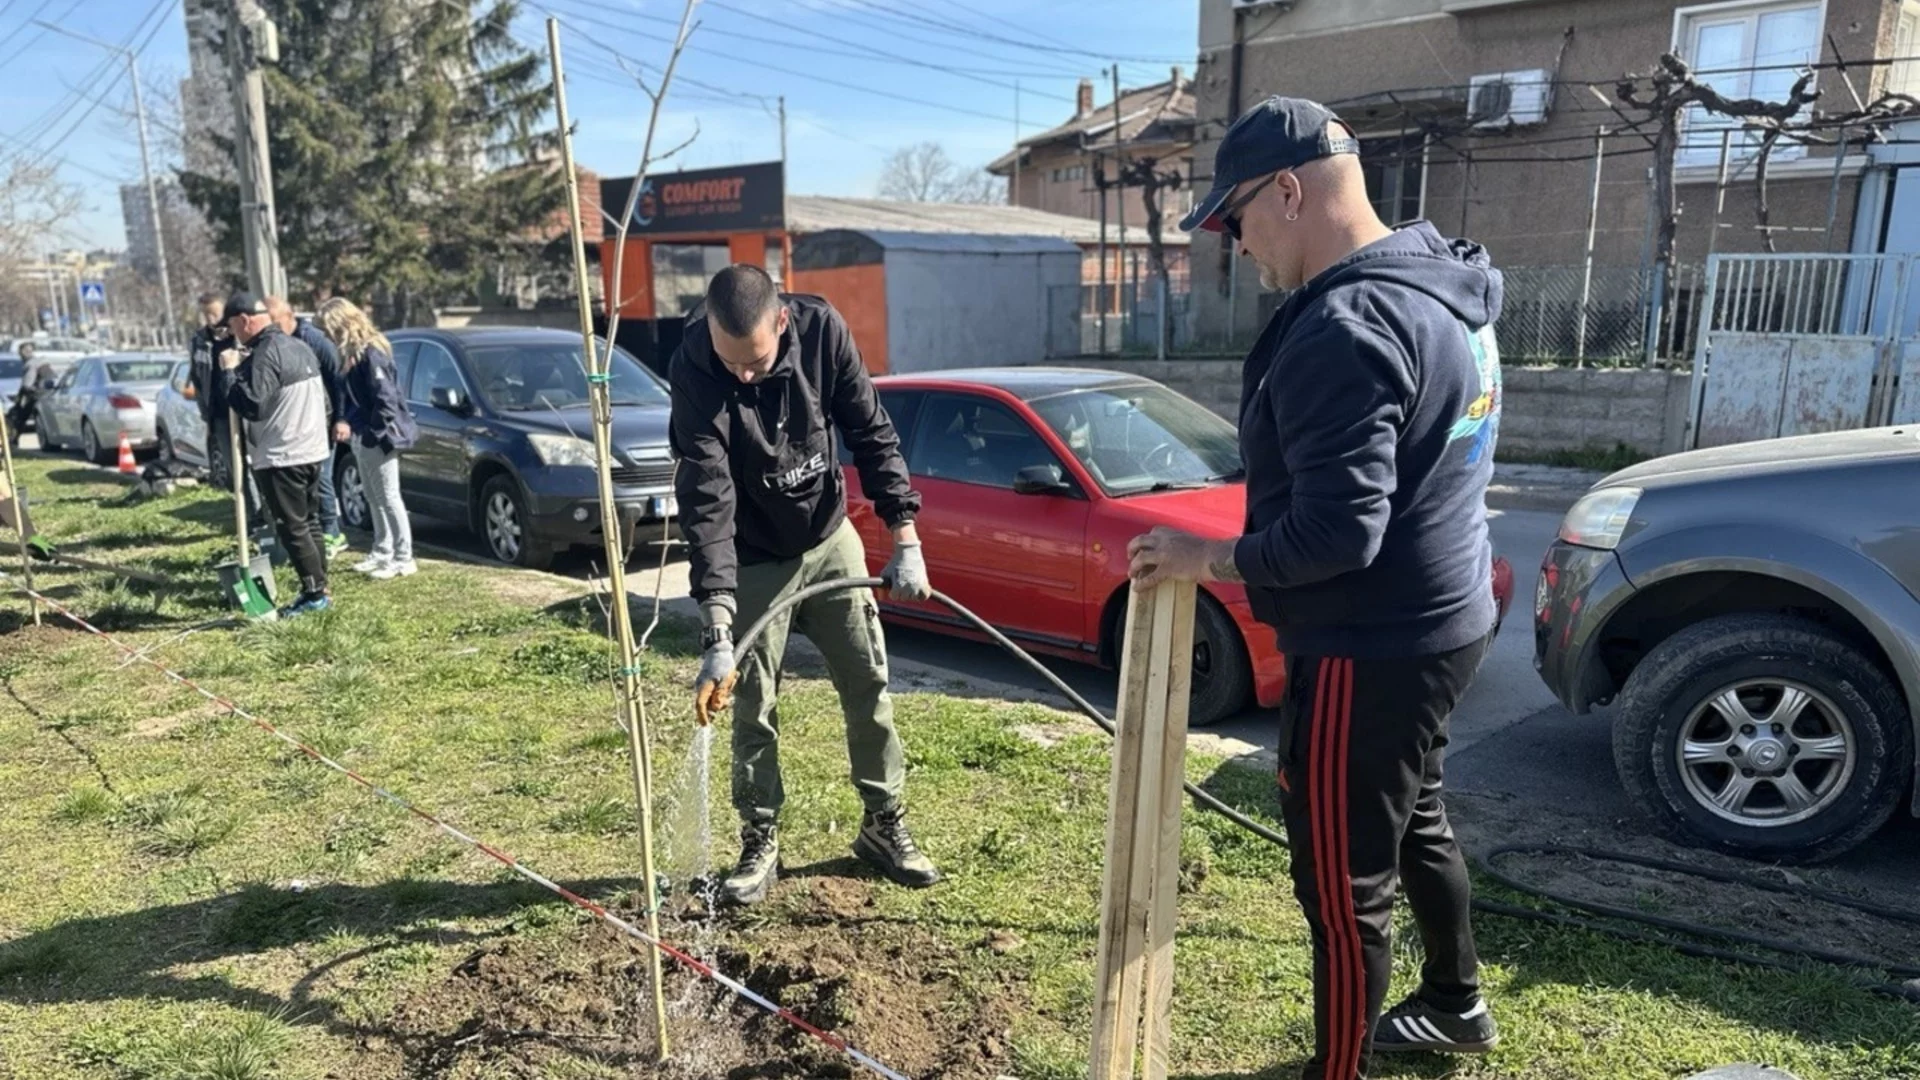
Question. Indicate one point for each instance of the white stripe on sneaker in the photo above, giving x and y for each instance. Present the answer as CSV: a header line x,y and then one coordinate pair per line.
x,y
1432,1033
1406,1033
1479,1009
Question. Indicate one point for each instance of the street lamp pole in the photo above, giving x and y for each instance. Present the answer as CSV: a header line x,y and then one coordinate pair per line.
x,y
146,170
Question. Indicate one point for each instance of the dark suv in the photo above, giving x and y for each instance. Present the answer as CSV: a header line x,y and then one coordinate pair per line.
x,y
506,441
1752,612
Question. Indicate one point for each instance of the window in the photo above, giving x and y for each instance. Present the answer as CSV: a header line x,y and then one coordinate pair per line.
x,y
539,377
974,441
680,275
1069,173
136,371
403,354
902,407
1395,176
1743,50
1904,76
179,379
434,369
1142,437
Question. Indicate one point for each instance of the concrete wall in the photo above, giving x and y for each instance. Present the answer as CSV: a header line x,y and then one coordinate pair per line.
x,y
971,309
1544,409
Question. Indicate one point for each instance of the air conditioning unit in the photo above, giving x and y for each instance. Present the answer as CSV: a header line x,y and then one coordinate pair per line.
x,y
1509,99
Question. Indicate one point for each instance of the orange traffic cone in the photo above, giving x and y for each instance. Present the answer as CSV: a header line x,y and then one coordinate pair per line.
x,y
126,456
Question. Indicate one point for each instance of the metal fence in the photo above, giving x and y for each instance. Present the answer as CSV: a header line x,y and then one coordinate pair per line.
x,y
1095,320
1543,318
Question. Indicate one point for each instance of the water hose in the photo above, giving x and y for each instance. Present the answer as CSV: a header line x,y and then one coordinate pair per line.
x,y
1909,991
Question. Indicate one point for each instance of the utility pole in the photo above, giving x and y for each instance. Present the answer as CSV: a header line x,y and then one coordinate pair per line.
x,y
251,39
53,293
1013,196
146,168
786,205
1120,204
1586,272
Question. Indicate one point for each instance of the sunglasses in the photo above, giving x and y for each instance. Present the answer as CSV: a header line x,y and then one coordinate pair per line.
x,y
1230,213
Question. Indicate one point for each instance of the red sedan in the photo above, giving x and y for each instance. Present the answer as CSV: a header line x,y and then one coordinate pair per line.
x,y
1035,479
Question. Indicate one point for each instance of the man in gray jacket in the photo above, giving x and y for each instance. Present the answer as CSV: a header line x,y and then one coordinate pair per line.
x,y
278,391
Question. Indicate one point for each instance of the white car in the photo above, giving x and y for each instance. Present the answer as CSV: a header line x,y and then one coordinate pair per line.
x,y
178,429
102,398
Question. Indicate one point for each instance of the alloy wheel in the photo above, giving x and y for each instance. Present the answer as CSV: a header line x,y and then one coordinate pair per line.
x,y
1766,752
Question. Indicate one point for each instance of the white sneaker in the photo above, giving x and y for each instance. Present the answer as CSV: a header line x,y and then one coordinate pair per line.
x,y
394,570
370,565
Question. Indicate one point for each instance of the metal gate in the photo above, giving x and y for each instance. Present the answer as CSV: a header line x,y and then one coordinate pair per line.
x,y
1797,344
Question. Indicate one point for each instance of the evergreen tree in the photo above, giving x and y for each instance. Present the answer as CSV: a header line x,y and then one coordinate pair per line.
x,y
410,151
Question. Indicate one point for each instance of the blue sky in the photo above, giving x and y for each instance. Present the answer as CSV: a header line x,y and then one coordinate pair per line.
x,y
838,135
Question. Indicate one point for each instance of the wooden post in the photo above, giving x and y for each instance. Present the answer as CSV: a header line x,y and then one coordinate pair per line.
x,y
1133,976
633,710
239,479
18,498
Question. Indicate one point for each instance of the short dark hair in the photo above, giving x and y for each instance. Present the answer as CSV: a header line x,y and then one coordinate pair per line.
x,y
740,298
210,298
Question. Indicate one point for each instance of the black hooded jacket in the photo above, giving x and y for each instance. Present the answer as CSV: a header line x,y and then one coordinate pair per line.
x,y
759,477
1369,410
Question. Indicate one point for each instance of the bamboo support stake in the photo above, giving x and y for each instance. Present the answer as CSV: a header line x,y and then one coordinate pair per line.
x,y
633,710
1139,903
19,500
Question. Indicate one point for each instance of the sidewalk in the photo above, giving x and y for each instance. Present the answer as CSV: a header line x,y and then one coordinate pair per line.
x,y
1538,487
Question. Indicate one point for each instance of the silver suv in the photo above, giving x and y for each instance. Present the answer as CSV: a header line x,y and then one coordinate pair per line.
x,y
1750,612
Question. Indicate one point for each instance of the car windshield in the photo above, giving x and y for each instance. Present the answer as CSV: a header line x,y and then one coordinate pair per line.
x,y
12,369
1142,438
520,378
135,371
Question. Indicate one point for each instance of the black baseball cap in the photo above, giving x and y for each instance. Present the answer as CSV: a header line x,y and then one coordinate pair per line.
x,y
1279,133
243,303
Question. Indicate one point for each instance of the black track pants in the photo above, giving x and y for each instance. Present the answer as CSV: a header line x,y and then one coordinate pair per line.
x,y
293,492
1362,743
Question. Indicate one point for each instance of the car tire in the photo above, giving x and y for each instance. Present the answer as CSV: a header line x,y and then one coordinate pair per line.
x,y
90,447
1846,742
350,489
1222,674
507,528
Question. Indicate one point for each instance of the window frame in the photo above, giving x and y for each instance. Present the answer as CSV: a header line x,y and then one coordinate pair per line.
x,y
1904,77
1687,23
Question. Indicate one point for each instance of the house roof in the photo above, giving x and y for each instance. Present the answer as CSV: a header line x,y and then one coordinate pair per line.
x,y
1158,114
888,220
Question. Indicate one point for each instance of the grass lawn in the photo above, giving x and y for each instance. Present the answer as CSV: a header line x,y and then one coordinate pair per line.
x,y
150,925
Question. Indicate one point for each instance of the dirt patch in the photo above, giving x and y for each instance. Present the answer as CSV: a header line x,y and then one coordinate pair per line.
x,y
1486,823
528,588
530,1006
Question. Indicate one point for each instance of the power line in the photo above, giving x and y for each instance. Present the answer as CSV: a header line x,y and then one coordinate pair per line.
x,y
967,31
945,45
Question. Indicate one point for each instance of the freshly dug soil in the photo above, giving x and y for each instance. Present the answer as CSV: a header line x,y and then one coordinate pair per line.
x,y
525,1006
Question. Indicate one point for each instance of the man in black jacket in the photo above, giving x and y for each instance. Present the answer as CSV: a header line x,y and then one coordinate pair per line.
x,y
761,384
202,349
332,379
1368,415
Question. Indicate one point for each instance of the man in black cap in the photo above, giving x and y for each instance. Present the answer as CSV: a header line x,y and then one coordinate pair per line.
x,y
1368,412
278,391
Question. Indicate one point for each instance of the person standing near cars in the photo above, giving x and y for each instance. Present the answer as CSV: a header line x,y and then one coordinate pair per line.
x,y
27,398
379,429
331,378
278,391
761,383
206,343
1369,410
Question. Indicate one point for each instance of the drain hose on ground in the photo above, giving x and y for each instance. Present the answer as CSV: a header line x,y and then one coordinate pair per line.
x,y
1909,991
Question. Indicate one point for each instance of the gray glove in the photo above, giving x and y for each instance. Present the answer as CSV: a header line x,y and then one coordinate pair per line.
x,y
906,574
713,687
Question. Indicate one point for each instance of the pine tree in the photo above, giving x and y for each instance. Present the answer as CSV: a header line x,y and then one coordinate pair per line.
x,y
408,143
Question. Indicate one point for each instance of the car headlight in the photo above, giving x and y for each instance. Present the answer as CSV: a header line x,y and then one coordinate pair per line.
x,y
563,450
1600,517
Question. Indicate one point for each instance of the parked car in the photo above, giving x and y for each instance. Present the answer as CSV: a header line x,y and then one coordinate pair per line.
x,y
12,370
1033,480
178,429
101,398
506,441
1750,611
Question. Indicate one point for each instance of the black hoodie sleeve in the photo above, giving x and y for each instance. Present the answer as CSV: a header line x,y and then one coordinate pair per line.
x,y
1340,424
702,482
867,430
249,388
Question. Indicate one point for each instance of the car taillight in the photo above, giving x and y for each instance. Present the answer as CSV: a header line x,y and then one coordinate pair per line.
x,y
123,401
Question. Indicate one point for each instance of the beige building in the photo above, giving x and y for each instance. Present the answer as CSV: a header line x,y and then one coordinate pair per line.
x,y
1482,116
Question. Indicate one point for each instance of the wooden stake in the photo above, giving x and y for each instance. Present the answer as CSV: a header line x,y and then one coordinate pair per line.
x,y
239,478
19,500
633,709
1139,901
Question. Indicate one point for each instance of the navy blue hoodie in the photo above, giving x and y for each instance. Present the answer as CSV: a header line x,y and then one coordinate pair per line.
x,y
1368,413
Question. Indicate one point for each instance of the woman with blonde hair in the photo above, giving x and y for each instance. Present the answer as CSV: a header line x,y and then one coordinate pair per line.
x,y
382,428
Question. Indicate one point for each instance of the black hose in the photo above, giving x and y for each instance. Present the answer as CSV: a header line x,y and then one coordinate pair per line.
x,y
1910,991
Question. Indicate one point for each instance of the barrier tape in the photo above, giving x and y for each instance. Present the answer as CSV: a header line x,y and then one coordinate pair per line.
x,y
609,918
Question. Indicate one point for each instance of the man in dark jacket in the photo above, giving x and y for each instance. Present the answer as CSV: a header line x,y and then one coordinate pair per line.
x,y
331,378
1367,420
206,344
761,384
278,392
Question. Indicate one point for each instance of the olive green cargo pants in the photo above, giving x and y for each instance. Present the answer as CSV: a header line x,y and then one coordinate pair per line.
x,y
845,627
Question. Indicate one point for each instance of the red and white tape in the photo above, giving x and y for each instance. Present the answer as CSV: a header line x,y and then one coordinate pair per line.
x,y
684,959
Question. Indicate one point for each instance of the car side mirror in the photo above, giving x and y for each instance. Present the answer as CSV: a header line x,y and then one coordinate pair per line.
x,y
449,399
1041,480
190,392
48,384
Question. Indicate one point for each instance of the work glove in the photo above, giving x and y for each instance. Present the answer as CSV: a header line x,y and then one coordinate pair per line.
x,y
713,687
906,574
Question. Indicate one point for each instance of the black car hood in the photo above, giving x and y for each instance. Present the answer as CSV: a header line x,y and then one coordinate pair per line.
x,y
642,427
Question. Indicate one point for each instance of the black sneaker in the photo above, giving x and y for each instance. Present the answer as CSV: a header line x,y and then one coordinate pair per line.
x,y
759,866
885,842
1415,1025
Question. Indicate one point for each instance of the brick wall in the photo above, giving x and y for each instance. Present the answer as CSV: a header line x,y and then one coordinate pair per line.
x,y
1545,408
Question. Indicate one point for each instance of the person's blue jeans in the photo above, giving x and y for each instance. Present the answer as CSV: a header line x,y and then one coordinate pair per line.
x,y
329,506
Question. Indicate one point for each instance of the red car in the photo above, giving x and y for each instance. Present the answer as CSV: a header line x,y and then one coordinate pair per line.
x,y
1035,479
